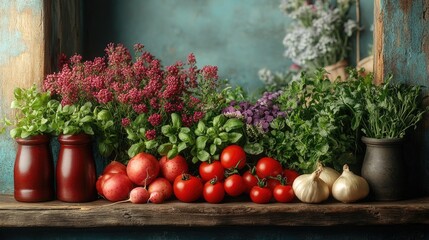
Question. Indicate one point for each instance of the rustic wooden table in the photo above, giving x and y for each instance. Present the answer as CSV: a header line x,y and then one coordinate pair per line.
x,y
177,214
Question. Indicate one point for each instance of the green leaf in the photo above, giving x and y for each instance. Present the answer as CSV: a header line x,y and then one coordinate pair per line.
x,y
104,115
195,160
217,121
233,123
201,142
25,134
201,127
175,119
87,129
213,149
166,130
172,139
217,141
151,144
15,132
182,146
164,148
172,153
185,130
234,137
253,148
184,137
86,119
135,149
203,155
223,136
14,105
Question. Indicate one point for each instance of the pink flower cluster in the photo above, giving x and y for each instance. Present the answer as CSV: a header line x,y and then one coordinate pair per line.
x,y
133,87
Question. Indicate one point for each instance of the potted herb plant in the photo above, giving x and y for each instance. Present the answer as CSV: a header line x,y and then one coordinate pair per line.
x,y
75,171
385,113
34,167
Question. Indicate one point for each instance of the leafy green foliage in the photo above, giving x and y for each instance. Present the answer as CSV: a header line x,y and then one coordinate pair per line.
x,y
35,113
213,136
384,111
74,119
318,126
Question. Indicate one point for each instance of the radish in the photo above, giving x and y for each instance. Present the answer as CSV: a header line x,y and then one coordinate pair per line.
x,y
161,185
115,167
156,197
117,187
100,182
139,195
171,168
142,169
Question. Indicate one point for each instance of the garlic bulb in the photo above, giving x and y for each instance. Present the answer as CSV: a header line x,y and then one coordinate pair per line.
x,y
309,188
349,187
328,175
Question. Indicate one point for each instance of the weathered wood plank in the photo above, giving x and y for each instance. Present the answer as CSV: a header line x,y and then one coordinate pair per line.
x,y
97,214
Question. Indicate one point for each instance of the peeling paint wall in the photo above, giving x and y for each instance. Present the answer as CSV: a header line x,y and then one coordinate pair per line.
x,y
402,48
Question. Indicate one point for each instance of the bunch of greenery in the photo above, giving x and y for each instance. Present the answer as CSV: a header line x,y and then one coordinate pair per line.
x,y
317,128
35,113
383,111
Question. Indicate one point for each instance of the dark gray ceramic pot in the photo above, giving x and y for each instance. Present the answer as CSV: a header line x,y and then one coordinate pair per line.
x,y
383,168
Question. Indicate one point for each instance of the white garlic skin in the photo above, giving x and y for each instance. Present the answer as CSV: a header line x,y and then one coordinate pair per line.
x,y
350,187
309,188
328,175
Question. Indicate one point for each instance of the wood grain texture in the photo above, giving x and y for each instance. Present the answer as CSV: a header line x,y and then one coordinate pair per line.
x,y
177,214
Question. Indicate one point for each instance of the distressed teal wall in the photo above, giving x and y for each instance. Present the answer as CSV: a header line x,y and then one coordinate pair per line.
x,y
240,37
403,47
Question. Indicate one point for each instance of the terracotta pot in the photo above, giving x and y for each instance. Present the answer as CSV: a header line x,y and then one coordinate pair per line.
x,y
337,70
33,171
76,175
383,168
367,64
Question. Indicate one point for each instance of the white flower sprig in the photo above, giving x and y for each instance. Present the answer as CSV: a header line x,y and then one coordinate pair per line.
x,y
320,34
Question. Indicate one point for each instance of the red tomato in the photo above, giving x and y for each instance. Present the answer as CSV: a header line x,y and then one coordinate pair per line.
x,y
115,167
187,188
290,175
213,191
171,168
268,167
233,156
208,171
272,183
234,185
283,193
249,180
260,194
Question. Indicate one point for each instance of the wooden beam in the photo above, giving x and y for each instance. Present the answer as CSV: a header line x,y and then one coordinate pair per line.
x,y
201,214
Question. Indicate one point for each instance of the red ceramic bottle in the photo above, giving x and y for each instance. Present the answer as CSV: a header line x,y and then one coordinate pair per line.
x,y
76,174
33,172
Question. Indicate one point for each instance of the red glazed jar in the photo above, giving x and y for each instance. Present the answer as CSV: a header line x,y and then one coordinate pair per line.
x,y
76,174
33,172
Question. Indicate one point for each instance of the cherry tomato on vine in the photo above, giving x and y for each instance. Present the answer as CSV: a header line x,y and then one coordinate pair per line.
x,y
268,167
250,180
187,188
260,194
290,175
234,185
272,183
211,170
233,156
213,191
283,193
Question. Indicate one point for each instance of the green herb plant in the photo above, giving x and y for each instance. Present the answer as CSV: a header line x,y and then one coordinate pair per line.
x,y
35,112
317,128
74,119
384,111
